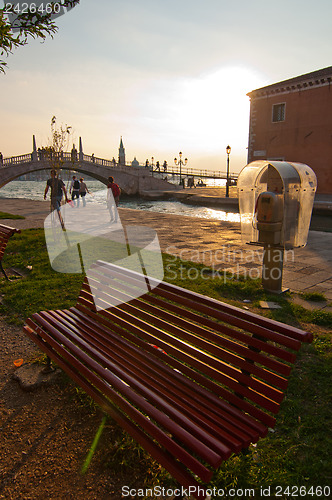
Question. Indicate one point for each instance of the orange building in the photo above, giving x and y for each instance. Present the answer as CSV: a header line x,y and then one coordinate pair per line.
x,y
292,121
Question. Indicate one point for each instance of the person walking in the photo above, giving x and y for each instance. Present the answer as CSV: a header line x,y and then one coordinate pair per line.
x,y
75,190
58,188
113,198
83,190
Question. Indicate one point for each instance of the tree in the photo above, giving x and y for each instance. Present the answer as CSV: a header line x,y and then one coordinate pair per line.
x,y
19,21
58,145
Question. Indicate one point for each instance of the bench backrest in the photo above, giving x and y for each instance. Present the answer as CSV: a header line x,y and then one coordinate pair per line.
x,y
192,379
5,233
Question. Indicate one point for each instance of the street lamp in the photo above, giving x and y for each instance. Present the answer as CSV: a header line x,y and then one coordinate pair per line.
x,y
228,151
180,163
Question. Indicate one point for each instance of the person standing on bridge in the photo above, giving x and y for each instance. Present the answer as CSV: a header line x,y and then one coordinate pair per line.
x,y
58,188
73,154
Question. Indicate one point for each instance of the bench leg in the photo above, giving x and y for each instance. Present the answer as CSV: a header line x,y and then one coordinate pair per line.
x,y
48,368
3,271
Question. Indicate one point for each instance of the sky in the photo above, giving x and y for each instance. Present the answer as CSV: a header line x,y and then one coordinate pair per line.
x,y
166,75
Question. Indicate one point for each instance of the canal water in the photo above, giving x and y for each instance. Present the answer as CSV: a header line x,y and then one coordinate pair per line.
x,y
34,190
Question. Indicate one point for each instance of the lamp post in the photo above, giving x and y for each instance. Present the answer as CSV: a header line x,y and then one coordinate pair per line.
x,y
180,162
228,151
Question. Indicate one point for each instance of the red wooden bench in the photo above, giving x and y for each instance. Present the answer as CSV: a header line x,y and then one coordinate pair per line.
x,y
191,378
5,233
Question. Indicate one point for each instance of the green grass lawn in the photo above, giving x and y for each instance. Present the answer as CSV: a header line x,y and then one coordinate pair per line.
x,y
298,450
5,215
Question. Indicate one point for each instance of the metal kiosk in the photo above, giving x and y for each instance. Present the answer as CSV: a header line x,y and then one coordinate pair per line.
x,y
275,202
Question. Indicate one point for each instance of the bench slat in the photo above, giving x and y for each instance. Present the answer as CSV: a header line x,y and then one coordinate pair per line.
x,y
253,342
192,379
210,307
5,233
162,379
164,458
285,330
127,375
261,331
200,378
133,413
159,316
124,383
230,414
201,361
121,314
128,311
132,364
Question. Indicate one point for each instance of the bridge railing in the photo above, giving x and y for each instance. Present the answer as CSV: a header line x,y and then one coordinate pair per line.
x,y
74,157
99,161
39,156
192,172
55,156
16,160
108,163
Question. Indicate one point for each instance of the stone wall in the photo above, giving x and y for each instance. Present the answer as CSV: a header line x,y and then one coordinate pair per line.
x,y
304,136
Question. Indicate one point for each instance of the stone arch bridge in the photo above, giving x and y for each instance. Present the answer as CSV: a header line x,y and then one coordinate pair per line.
x,y
132,179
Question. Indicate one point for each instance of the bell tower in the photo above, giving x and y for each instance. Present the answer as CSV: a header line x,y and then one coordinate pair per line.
x,y
122,154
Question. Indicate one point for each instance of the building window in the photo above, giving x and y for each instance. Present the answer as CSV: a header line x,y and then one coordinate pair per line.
x,y
278,112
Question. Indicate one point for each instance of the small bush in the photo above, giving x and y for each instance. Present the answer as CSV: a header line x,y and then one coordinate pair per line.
x,y
314,296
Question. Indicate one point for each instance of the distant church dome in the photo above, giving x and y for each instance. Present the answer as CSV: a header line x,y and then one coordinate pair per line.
x,y
135,163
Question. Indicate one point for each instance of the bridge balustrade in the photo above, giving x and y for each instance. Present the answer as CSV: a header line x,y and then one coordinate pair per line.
x,y
15,160
47,156
55,156
198,172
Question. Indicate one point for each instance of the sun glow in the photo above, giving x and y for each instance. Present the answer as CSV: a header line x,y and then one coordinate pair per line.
x,y
217,107
200,115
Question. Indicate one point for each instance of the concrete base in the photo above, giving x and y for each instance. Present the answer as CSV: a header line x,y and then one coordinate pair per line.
x,y
31,377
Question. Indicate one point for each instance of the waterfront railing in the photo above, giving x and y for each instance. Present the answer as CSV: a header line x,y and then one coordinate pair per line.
x,y
74,157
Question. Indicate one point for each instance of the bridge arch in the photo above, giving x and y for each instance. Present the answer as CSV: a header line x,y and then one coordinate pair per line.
x,y
132,180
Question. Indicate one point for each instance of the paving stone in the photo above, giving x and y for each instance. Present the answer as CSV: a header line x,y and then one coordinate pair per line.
x,y
269,305
309,270
296,286
190,234
308,304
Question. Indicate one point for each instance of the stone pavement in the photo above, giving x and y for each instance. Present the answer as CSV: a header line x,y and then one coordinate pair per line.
x,y
214,243
218,244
